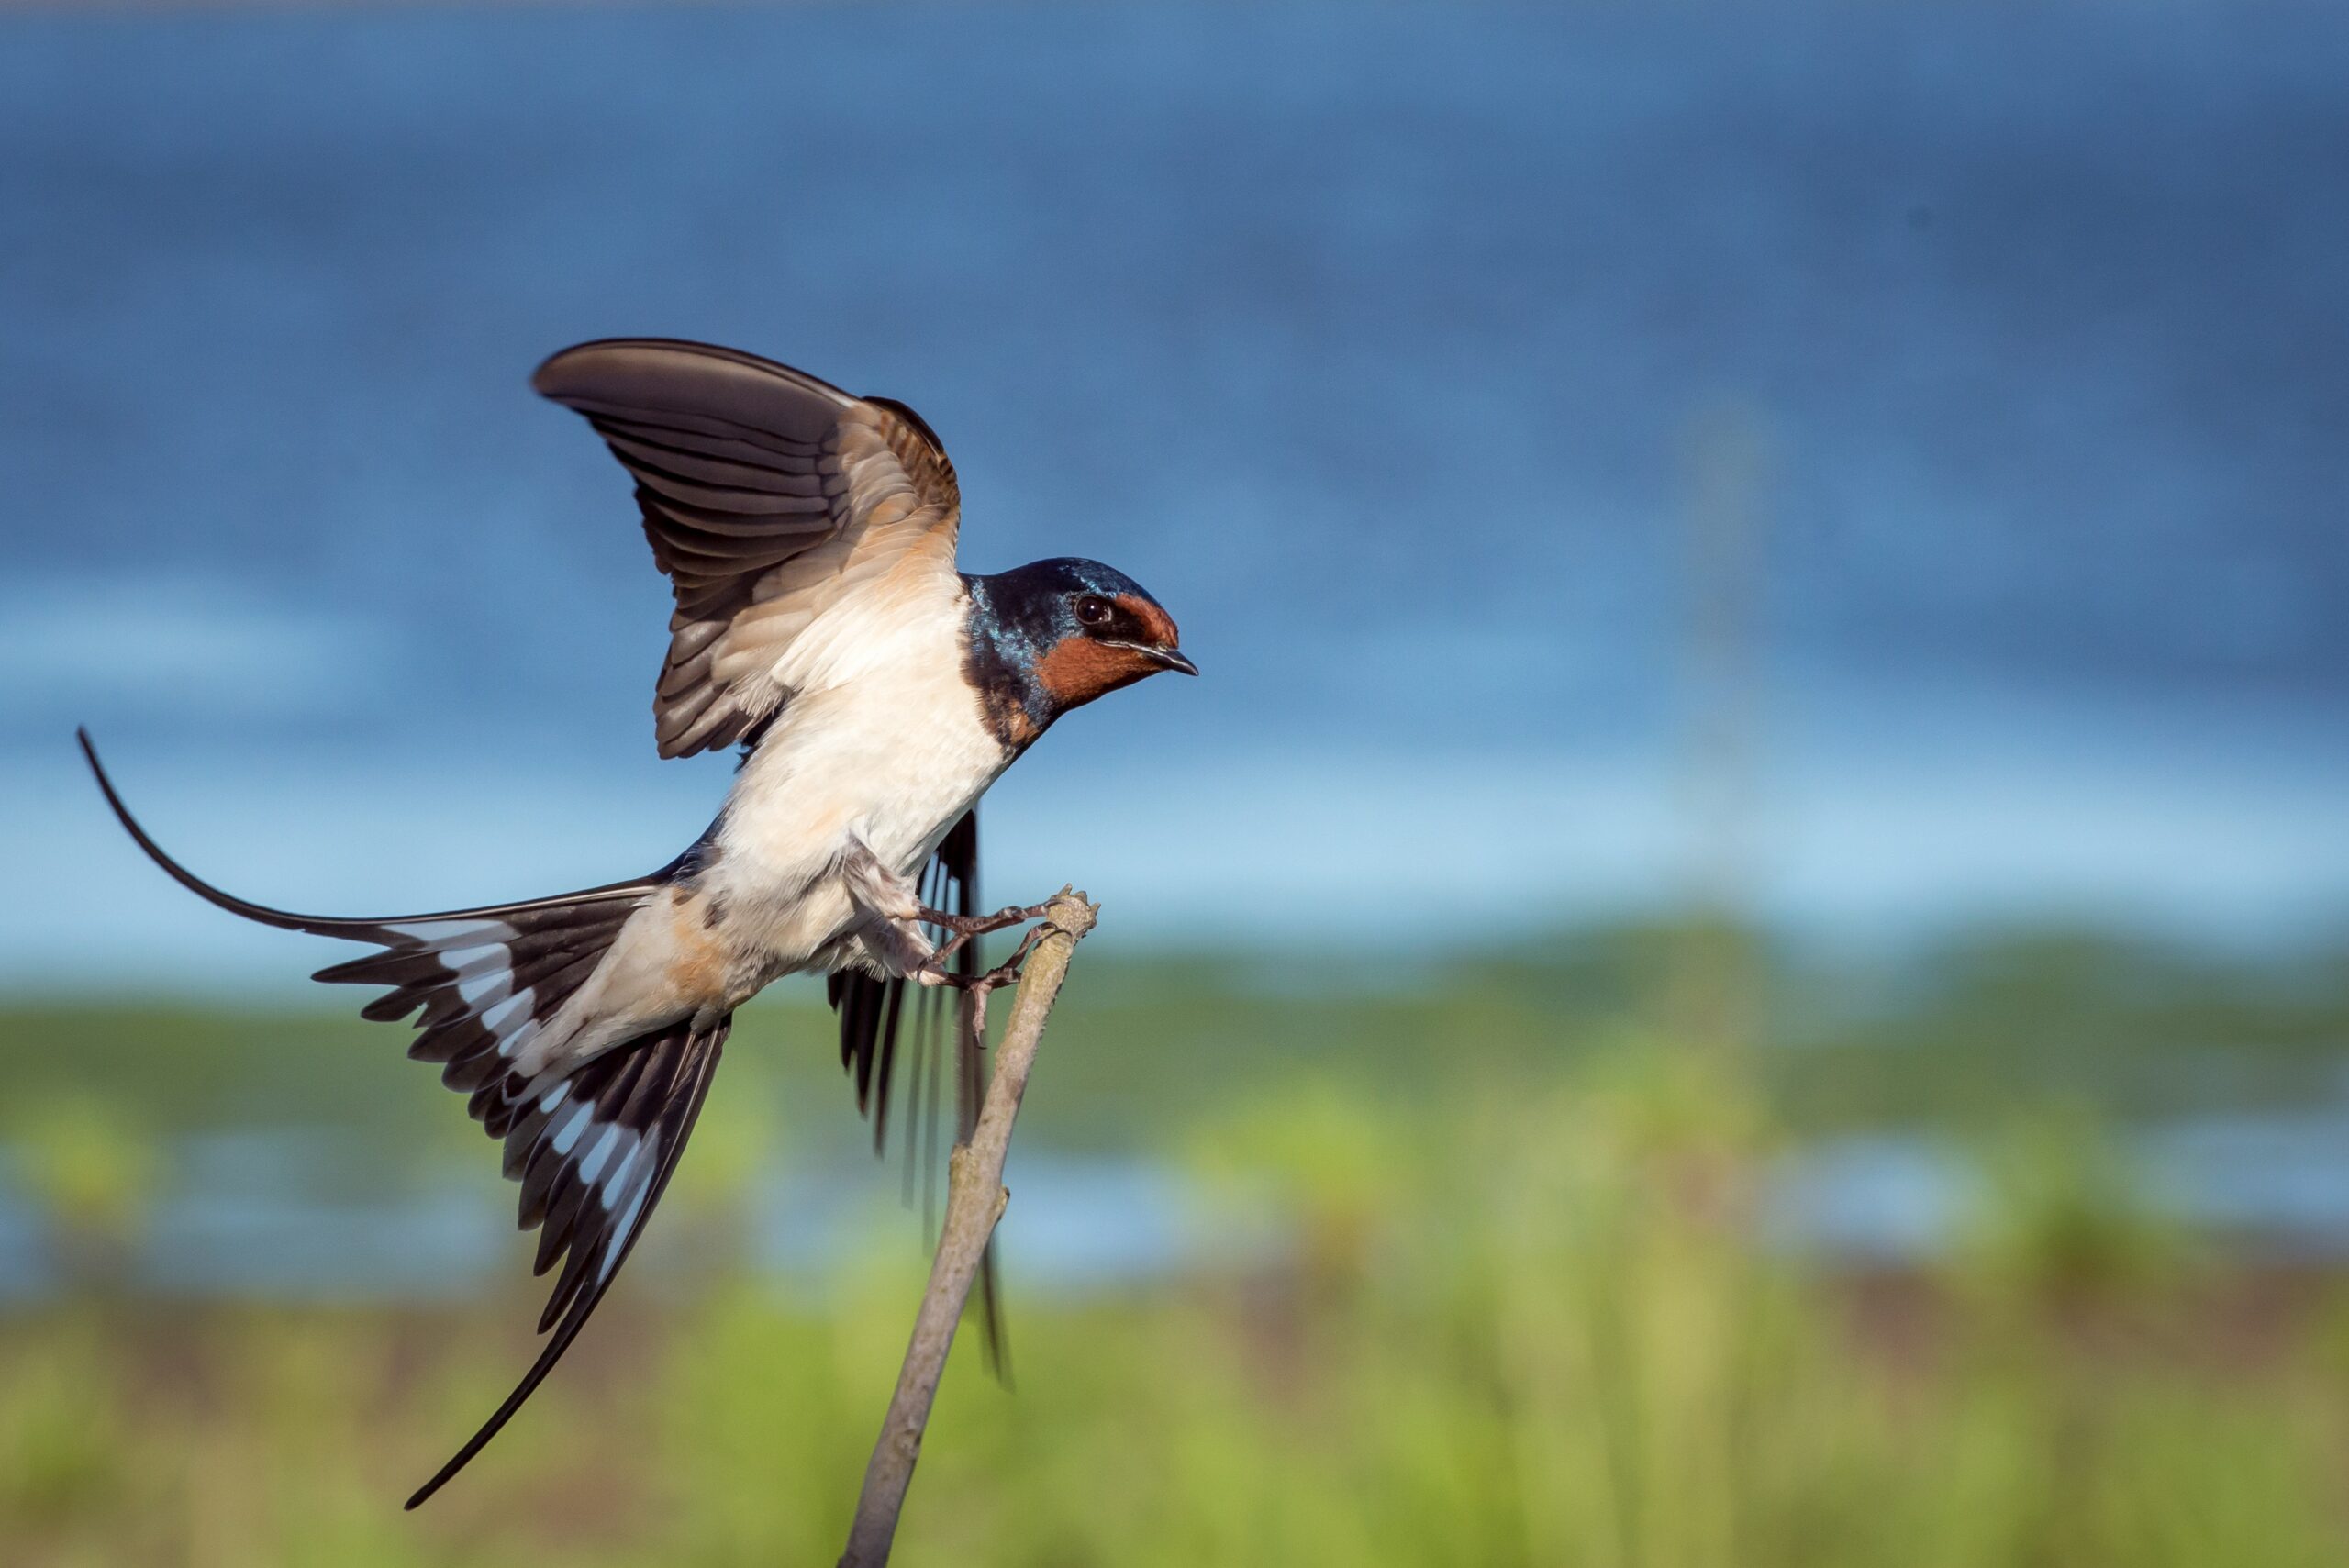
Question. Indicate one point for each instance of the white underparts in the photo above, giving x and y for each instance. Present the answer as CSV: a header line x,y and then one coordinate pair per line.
x,y
878,749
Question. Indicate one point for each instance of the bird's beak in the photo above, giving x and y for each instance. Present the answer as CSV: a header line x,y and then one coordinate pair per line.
x,y
1164,657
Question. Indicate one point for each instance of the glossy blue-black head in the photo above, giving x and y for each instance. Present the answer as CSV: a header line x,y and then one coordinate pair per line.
x,y
1057,634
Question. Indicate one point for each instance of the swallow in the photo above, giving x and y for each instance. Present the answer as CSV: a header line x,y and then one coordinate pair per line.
x,y
820,623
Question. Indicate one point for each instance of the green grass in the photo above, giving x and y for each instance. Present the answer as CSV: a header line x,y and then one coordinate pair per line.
x,y
1528,1328
1520,1315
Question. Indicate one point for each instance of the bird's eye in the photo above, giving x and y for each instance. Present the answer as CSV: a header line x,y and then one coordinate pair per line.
x,y
1093,610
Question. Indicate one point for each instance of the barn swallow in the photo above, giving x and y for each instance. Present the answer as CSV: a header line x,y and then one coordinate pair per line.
x,y
820,623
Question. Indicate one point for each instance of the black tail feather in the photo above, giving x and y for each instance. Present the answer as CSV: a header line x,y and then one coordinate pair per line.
x,y
596,1183
359,927
594,1147
872,1012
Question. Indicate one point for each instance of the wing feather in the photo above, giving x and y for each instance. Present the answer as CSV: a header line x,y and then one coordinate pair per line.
x,y
762,489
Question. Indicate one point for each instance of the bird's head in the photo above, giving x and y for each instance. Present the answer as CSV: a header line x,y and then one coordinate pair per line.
x,y
1069,632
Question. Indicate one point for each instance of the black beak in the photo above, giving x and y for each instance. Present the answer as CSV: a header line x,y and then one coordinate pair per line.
x,y
1164,657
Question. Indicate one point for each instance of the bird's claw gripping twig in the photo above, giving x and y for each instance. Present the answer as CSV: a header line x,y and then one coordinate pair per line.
x,y
979,925
935,972
966,928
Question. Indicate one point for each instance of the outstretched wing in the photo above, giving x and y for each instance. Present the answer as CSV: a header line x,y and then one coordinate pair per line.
x,y
769,496
874,1016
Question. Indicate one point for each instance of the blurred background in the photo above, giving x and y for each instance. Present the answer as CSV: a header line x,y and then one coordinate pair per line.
x,y
1742,957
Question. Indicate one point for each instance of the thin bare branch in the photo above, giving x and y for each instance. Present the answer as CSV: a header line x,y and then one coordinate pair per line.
x,y
976,1197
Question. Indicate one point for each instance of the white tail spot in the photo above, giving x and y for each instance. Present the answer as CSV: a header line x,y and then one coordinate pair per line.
x,y
601,1152
504,1019
572,1129
619,1235
614,1183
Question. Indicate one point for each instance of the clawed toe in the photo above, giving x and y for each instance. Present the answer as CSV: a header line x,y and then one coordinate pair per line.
x,y
963,930
1007,972
980,925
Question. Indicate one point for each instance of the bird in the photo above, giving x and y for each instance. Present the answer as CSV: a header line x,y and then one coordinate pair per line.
x,y
820,624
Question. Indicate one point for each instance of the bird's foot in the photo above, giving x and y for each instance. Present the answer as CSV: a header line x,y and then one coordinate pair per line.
x,y
964,929
979,925
935,972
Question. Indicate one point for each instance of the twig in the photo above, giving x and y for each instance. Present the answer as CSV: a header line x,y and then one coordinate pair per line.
x,y
976,1197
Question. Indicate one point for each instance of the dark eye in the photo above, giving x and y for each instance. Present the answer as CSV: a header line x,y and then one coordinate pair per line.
x,y
1093,610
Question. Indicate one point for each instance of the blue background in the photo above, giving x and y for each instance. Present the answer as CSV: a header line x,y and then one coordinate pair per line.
x,y
1411,357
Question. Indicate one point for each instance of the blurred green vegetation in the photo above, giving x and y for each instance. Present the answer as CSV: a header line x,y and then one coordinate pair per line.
x,y
1518,1314
1954,1036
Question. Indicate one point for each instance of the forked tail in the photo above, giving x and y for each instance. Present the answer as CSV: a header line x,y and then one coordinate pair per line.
x,y
593,1143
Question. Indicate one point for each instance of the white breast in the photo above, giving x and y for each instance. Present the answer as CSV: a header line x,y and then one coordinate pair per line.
x,y
893,754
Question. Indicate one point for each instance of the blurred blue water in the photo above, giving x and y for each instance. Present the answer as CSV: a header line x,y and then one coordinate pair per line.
x,y
1375,343
2271,1188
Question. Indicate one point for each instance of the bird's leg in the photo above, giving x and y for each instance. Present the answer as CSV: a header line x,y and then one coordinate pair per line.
x,y
895,918
892,909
